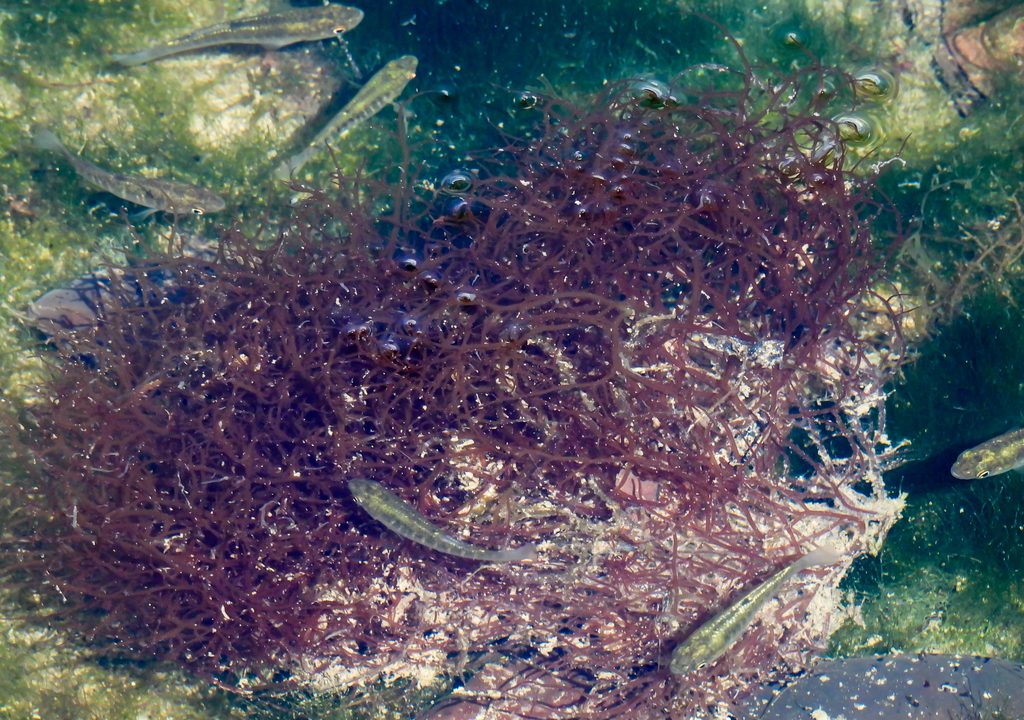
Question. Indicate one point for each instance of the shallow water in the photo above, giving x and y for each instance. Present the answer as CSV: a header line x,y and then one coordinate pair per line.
x,y
226,118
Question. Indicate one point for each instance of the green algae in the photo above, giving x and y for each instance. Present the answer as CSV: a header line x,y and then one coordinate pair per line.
x,y
42,678
950,577
948,580
967,384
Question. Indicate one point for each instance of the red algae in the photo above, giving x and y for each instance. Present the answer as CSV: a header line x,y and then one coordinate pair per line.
x,y
630,341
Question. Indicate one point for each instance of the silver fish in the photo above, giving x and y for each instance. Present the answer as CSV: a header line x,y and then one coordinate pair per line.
x,y
401,518
172,197
993,457
386,85
269,32
712,639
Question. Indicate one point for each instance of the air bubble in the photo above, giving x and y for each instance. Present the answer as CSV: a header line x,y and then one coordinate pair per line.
x,y
466,296
875,84
854,128
457,182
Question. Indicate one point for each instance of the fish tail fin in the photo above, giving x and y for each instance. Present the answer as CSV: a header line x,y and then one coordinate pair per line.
x,y
46,140
132,59
824,555
526,552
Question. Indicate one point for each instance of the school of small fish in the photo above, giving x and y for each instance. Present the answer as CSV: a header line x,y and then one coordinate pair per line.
x,y
270,32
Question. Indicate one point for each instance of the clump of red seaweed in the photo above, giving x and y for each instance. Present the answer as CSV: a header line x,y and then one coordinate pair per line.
x,y
632,340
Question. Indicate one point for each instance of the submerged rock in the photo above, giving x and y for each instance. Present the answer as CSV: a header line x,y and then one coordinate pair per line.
x,y
909,687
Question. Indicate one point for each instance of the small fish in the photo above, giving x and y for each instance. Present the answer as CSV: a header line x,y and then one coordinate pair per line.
x,y
993,457
172,197
386,85
401,518
712,639
270,32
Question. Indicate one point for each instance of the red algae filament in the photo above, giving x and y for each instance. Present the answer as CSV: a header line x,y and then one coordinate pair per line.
x,y
641,328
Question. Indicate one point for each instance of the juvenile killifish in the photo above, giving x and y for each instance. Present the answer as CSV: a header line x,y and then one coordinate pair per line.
x,y
387,84
993,457
712,639
401,518
269,32
173,197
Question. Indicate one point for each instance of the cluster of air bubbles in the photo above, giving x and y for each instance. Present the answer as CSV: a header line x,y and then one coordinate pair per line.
x,y
452,189
358,329
415,267
431,280
859,127
395,339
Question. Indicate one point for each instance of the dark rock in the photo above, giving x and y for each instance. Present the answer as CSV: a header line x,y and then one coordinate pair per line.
x,y
909,687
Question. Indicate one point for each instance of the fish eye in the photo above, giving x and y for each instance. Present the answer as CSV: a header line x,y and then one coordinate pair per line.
x,y
702,666
197,211
983,474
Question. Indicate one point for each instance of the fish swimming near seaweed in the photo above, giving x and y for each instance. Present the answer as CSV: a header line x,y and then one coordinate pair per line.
x,y
381,89
993,457
270,32
166,195
712,639
401,518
